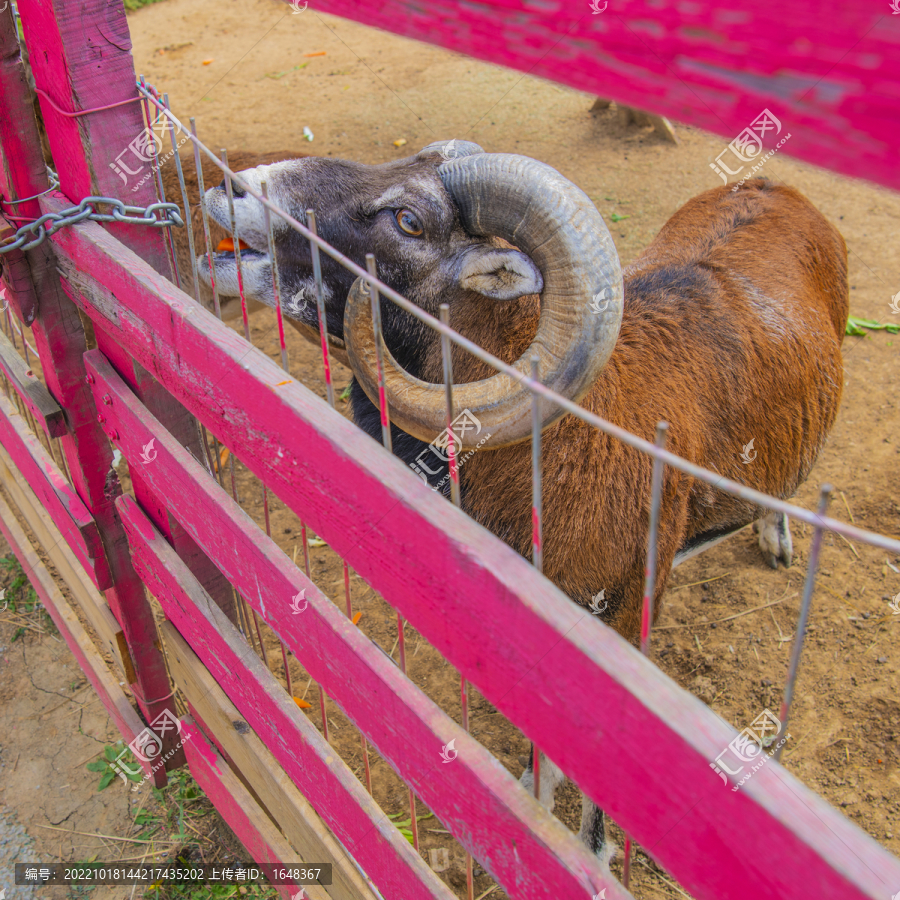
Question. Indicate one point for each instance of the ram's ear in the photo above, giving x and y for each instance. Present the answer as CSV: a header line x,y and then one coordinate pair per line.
x,y
499,274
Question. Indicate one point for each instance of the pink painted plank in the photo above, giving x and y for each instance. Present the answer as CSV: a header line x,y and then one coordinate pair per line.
x,y
232,800
22,166
184,427
476,798
104,682
63,505
31,390
15,278
60,339
527,648
81,60
92,151
832,80
22,169
80,56
304,754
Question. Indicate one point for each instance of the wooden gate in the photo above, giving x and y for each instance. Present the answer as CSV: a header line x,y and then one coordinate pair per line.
x,y
130,361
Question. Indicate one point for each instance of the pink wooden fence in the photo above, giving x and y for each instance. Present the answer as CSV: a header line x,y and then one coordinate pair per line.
x,y
830,74
636,743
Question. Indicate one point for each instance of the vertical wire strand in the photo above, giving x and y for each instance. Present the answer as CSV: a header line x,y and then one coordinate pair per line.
x,y
238,261
276,276
388,445
815,549
157,166
363,742
329,391
188,218
537,549
216,462
320,307
229,192
656,485
204,218
379,356
65,463
447,359
12,333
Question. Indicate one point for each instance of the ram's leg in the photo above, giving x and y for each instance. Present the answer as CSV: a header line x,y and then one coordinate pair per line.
x,y
551,779
593,832
775,538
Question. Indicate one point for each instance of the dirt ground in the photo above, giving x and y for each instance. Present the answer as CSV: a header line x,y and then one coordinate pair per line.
x,y
266,81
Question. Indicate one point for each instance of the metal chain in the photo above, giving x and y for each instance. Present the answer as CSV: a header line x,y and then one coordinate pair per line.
x,y
135,215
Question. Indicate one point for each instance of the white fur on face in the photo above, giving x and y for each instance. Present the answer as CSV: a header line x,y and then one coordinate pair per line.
x,y
250,221
249,213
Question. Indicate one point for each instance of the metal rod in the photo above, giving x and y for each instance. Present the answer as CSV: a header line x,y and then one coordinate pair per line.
x,y
537,550
401,640
324,716
386,439
276,278
446,351
662,429
204,217
321,692
626,863
229,191
188,220
305,550
25,349
217,453
347,590
12,332
157,166
656,485
215,469
204,435
379,355
364,743
414,823
815,548
320,308
65,462
446,355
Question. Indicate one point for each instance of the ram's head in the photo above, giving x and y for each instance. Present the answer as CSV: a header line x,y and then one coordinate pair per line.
x,y
483,226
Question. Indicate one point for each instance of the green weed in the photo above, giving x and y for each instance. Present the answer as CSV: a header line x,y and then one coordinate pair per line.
x,y
856,327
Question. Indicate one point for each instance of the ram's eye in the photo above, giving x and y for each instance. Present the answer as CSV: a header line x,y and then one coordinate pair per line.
x,y
408,222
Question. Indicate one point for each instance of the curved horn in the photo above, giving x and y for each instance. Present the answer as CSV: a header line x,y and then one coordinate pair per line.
x,y
533,207
451,149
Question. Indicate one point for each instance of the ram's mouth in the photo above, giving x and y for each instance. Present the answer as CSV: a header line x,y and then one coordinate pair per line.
x,y
226,250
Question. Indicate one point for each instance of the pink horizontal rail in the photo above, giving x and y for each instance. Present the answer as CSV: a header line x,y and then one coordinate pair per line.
x,y
83,649
63,505
527,648
218,783
46,411
833,79
475,797
292,739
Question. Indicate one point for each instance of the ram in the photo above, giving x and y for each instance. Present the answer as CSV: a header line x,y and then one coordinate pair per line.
x,y
728,327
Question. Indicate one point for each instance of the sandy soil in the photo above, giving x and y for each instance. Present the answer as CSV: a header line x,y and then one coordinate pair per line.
x,y
371,89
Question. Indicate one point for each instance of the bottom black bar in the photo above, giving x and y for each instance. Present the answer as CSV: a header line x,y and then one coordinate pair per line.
x,y
119,873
